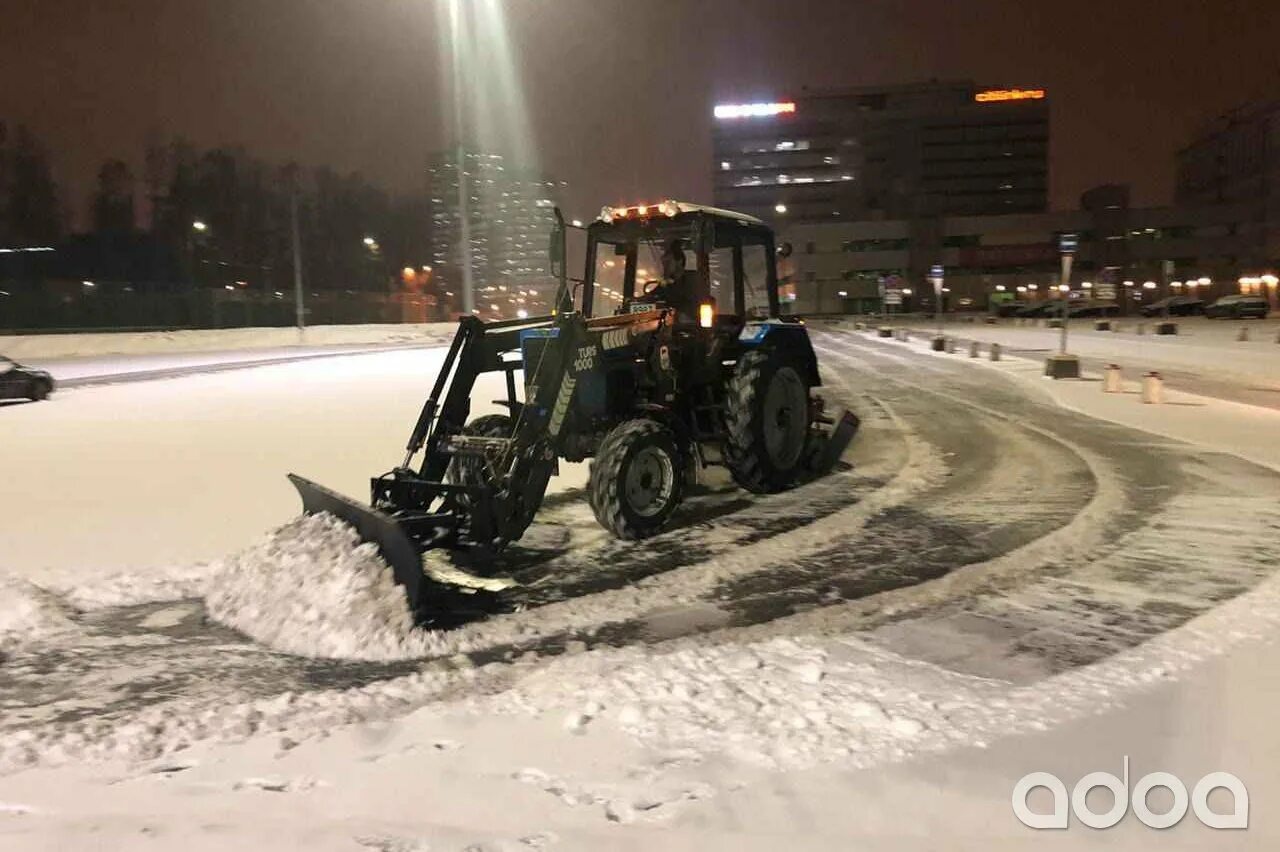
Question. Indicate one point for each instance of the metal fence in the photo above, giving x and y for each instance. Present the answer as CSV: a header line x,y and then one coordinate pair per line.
x,y
26,312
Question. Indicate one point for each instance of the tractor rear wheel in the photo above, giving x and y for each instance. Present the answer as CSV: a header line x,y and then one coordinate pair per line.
x,y
636,479
767,415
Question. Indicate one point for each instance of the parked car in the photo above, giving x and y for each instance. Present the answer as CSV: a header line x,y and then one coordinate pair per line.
x,y
19,382
1094,308
1176,306
1239,306
1009,309
1047,308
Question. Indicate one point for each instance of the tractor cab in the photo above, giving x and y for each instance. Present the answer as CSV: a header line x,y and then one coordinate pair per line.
x,y
711,267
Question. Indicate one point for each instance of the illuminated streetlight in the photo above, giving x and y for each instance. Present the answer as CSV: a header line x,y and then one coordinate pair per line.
x,y
88,284
577,223
779,208
1033,286
1205,282
199,226
370,242
999,288
1064,287
1087,285
1021,289
906,291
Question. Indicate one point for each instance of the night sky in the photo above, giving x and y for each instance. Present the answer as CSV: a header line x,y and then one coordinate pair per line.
x,y
619,91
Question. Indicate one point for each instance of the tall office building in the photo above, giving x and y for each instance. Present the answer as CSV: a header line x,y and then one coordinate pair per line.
x,y
1235,159
502,217
907,151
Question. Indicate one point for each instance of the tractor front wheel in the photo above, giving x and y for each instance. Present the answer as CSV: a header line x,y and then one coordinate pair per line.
x,y
636,479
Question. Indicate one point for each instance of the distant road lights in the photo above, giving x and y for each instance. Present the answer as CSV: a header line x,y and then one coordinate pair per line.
x,y
1086,285
522,314
426,268
1177,285
1064,288
1000,288
1205,282
843,294
199,226
1148,285
1128,283
779,208
577,223
1021,288
906,291
1033,287
370,242
88,284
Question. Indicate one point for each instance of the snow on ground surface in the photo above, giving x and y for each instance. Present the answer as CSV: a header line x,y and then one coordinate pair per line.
x,y
45,346
1206,347
160,475
792,732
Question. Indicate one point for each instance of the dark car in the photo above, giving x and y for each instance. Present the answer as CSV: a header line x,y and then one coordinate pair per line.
x,y
1239,307
1095,308
1047,308
1175,306
19,382
1009,309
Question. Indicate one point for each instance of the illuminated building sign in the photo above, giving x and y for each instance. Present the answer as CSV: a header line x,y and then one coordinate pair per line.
x,y
753,110
993,95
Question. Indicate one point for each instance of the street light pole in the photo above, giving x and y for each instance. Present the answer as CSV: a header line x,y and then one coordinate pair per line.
x,y
1067,244
299,311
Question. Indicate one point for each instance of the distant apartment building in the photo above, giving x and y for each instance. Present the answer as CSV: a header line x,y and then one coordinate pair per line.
x,y
889,152
506,215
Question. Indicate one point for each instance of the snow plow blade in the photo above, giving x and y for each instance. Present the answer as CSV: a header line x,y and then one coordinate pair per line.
x,y
846,426
395,547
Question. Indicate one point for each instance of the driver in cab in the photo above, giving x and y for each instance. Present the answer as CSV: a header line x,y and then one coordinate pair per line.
x,y
677,287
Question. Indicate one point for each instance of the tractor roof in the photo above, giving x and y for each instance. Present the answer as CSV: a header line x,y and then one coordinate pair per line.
x,y
671,210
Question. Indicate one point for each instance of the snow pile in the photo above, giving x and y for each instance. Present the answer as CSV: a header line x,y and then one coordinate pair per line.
x,y
28,612
312,588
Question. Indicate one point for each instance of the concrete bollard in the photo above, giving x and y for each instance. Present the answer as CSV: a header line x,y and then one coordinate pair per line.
x,y
1141,329
995,352
1152,388
885,331
938,343
1102,325
1243,335
973,349
951,346
1166,328
1114,382
859,326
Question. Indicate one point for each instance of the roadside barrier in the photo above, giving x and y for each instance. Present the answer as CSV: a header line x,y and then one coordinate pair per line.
x,y
1114,381
973,349
1152,388
995,352
1243,335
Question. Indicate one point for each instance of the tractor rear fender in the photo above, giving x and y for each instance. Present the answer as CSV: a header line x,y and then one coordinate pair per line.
x,y
789,337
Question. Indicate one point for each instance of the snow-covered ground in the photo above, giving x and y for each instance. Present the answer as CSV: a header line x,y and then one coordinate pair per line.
x,y
1208,349
800,729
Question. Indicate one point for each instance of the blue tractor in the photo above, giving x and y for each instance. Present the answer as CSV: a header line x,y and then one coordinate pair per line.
x,y
667,355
